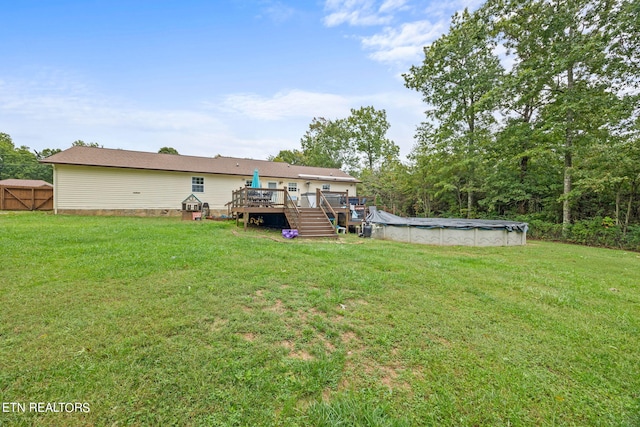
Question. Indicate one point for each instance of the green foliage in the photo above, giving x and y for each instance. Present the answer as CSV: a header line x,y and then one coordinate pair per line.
x,y
293,157
566,111
81,143
21,163
366,130
598,231
168,150
457,79
388,186
355,144
325,144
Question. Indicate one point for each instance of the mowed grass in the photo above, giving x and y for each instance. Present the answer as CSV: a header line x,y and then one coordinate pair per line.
x,y
156,321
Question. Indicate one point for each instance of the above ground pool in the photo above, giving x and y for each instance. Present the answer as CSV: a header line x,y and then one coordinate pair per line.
x,y
447,231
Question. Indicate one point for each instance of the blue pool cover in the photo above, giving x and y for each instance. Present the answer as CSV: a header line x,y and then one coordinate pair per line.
x,y
381,217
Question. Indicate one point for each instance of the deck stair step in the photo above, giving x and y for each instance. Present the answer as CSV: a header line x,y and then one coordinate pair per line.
x,y
314,223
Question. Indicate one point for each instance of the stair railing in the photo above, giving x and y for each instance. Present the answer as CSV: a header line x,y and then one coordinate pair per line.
x,y
326,207
291,211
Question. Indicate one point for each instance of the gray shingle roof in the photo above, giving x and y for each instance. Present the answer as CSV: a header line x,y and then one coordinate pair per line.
x,y
106,157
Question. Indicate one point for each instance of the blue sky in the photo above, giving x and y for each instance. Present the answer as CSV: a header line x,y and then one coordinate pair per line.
x,y
236,78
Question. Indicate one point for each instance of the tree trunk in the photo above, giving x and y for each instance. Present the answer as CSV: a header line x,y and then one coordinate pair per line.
x,y
524,165
566,206
626,220
618,206
568,160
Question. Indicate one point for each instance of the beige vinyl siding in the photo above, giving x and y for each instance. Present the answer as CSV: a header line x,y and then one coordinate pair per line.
x,y
80,187
89,187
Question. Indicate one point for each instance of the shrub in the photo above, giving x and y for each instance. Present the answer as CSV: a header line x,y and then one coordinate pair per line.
x,y
597,231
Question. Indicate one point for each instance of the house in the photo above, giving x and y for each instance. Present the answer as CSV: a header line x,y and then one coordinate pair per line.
x,y
102,181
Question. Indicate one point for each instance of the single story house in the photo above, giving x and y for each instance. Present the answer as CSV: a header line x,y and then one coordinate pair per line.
x,y
103,181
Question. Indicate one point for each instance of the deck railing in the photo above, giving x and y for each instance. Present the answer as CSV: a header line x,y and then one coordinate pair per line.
x,y
335,203
247,197
291,211
326,207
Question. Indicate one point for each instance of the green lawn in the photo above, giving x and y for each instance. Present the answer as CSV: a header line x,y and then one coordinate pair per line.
x,y
156,321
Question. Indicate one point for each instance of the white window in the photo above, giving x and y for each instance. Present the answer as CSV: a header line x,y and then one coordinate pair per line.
x,y
326,187
248,183
197,184
292,187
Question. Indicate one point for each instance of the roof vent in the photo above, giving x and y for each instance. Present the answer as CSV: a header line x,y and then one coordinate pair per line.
x,y
237,164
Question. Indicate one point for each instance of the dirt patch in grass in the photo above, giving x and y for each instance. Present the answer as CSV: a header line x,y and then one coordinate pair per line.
x,y
440,340
303,315
215,325
330,347
278,307
348,337
390,377
301,355
296,354
249,336
326,395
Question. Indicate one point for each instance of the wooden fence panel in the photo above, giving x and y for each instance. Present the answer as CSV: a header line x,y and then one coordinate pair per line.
x,y
26,198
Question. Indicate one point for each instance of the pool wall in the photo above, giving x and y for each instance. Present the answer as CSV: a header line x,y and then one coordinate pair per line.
x,y
449,236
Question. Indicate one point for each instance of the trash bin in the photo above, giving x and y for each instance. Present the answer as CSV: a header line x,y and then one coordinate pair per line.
x,y
366,230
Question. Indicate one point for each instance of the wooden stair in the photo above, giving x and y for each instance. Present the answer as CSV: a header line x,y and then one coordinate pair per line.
x,y
314,223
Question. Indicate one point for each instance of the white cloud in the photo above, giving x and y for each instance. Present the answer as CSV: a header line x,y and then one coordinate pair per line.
x,y
278,12
56,113
402,44
402,37
359,12
391,5
283,105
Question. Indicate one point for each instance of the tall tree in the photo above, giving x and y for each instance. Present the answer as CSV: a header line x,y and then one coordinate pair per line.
x,y
293,157
457,79
366,130
325,144
571,63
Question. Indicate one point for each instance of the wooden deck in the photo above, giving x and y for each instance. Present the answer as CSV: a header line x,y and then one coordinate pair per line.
x,y
339,208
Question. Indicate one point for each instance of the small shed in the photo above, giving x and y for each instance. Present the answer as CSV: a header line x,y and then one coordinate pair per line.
x,y
25,195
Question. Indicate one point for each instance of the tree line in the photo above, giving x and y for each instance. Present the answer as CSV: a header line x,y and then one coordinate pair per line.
x,y
22,163
531,112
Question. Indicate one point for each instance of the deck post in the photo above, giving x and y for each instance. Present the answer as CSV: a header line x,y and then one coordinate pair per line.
x,y
347,211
